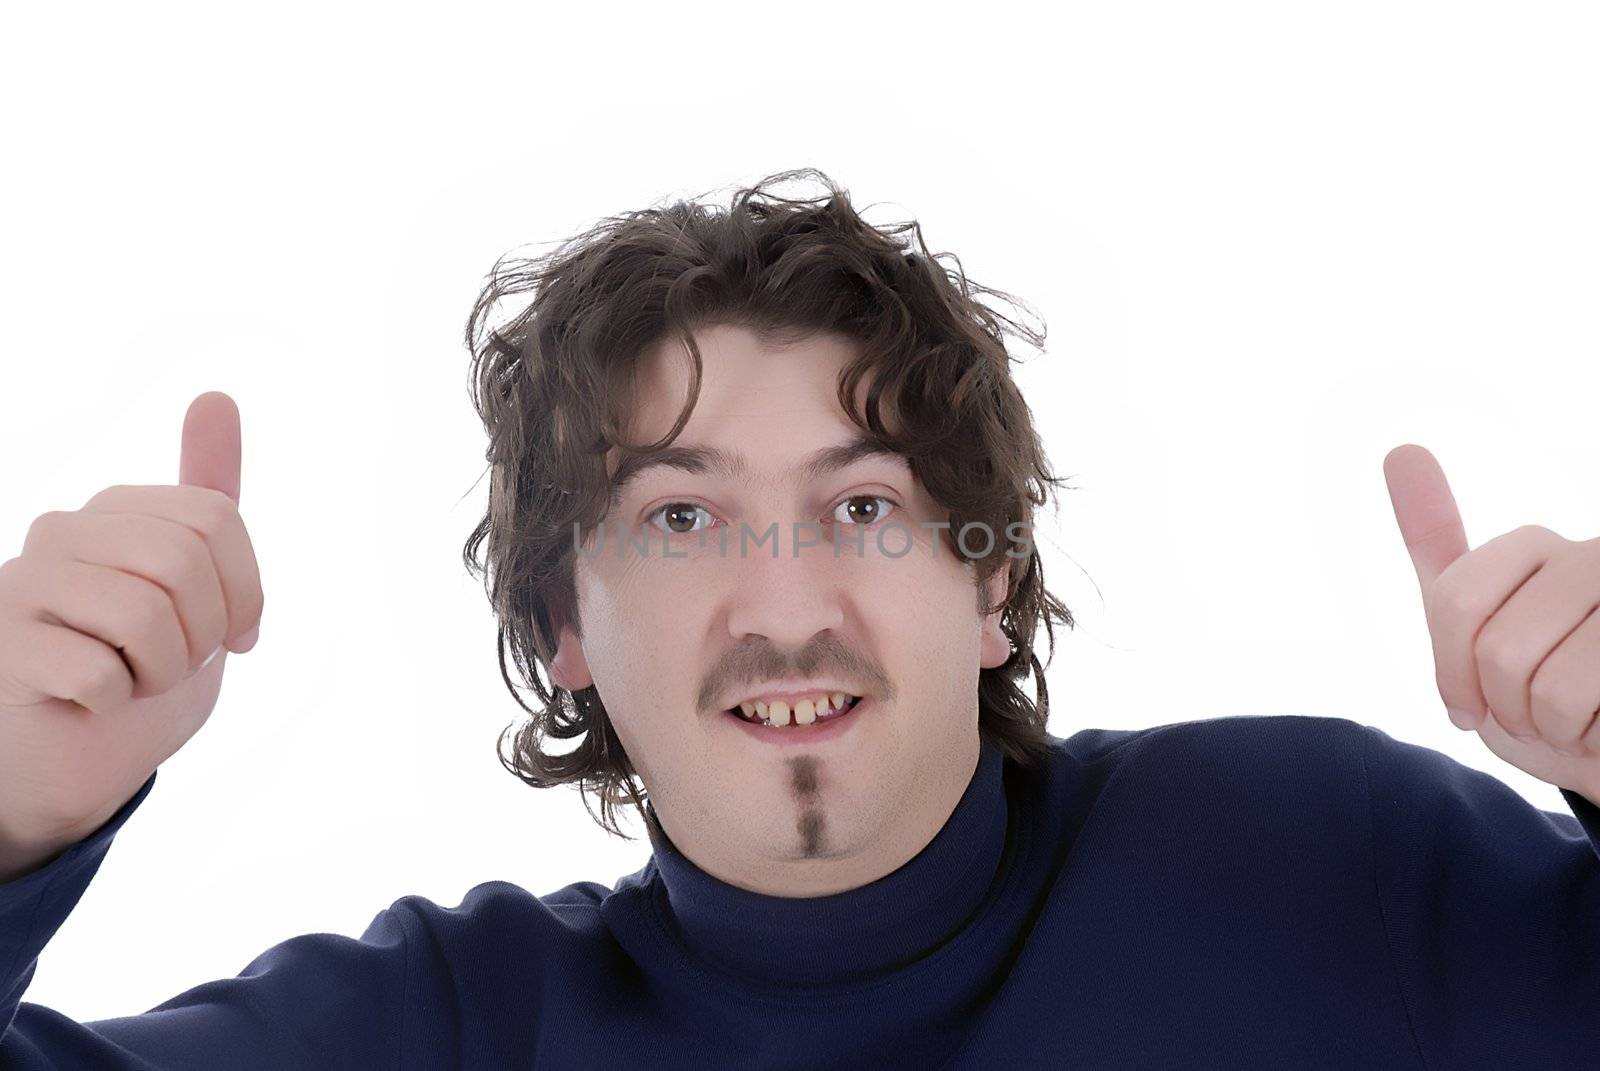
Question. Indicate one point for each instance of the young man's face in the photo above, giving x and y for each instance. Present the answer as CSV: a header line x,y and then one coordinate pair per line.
x,y
682,616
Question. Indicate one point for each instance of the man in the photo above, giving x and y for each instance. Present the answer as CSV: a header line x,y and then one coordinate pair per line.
x,y
761,511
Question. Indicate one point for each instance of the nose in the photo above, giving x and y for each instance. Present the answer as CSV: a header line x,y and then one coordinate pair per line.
x,y
787,599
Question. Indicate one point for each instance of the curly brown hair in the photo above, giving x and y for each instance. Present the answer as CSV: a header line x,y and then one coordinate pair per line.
x,y
551,385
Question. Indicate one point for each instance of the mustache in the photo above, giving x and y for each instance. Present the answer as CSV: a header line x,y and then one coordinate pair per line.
x,y
759,660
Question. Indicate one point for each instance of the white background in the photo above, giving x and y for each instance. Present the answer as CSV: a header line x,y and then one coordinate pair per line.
x,y
1270,242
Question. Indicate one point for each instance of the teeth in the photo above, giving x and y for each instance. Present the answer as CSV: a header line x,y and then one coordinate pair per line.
x,y
806,711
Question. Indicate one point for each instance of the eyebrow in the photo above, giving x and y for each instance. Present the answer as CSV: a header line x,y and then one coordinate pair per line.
x,y
699,460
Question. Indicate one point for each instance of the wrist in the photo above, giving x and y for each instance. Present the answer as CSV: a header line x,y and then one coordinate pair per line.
x,y
17,865
20,857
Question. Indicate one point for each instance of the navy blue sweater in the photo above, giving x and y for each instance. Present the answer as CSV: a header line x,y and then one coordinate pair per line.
x,y
1240,892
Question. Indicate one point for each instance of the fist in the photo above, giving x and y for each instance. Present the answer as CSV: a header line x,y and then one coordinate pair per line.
x,y
109,621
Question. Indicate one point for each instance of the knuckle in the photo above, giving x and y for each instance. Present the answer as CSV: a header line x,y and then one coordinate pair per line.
x,y
1542,535
144,610
44,523
213,497
105,681
167,562
104,493
1490,651
190,558
14,579
98,683
216,513
1546,686
1545,693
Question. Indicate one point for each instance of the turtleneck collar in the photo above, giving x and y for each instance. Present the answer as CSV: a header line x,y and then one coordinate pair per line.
x,y
894,920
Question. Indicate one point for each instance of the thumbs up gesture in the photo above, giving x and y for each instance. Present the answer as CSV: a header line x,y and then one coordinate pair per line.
x,y
1516,635
115,621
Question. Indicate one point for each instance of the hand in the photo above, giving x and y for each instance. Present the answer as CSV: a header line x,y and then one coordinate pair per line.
x,y
107,619
1516,639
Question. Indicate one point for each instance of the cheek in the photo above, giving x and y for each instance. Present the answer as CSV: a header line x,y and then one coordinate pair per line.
x,y
628,601
927,610
638,625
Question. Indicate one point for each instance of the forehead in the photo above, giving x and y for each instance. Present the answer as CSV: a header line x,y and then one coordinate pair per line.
x,y
744,384
763,413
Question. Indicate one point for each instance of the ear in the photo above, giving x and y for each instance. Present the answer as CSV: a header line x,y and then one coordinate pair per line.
x,y
569,669
995,646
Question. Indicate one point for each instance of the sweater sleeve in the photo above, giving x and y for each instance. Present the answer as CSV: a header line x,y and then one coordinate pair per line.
x,y
1491,907
316,1000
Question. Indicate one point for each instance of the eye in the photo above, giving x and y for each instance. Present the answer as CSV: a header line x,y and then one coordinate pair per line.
x,y
675,513
865,517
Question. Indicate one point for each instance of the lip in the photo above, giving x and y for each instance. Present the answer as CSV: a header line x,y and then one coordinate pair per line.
x,y
803,735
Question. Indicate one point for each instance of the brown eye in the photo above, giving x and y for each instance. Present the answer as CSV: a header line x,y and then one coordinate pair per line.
x,y
854,513
679,516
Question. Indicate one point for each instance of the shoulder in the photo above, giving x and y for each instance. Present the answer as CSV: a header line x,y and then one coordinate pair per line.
x,y
1421,796
1271,767
1249,745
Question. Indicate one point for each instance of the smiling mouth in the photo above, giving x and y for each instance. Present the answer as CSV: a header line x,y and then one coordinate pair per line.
x,y
782,715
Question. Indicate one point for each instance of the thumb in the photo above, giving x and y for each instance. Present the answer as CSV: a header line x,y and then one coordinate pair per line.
x,y
210,452
1425,510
